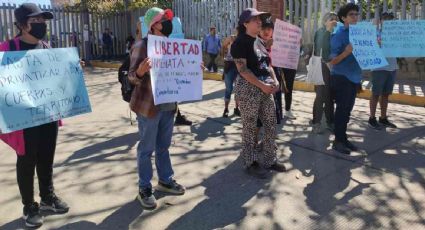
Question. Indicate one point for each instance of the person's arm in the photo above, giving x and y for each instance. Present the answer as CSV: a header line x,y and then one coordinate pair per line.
x,y
250,77
338,51
273,75
140,64
225,46
347,51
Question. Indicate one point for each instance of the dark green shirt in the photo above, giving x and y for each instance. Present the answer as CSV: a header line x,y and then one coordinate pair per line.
x,y
322,44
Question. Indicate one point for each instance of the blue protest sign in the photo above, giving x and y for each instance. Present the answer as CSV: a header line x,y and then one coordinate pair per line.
x,y
366,50
177,28
40,86
338,26
401,38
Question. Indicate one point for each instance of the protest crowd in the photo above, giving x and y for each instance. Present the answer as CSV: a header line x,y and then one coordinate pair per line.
x,y
255,70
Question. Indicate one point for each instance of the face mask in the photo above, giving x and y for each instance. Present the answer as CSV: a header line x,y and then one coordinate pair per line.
x,y
38,30
167,28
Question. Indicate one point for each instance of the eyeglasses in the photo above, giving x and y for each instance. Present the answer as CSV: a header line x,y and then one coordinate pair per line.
x,y
353,14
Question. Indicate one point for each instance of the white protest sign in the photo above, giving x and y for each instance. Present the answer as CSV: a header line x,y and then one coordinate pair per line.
x,y
176,73
286,45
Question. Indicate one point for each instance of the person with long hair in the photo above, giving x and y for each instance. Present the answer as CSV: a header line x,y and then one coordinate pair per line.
x,y
230,72
254,89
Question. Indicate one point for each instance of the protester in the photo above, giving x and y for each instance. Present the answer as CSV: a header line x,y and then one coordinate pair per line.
x,y
324,100
345,77
230,73
181,119
266,35
212,45
254,89
266,38
107,44
289,77
383,80
155,122
34,146
129,42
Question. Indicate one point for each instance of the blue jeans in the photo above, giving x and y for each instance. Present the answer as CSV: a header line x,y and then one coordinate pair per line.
x,y
155,135
229,79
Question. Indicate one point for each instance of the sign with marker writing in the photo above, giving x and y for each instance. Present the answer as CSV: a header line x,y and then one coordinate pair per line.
x,y
40,86
402,38
366,50
286,45
176,73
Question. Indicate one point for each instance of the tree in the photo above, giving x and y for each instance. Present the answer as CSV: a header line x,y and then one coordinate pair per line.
x,y
111,6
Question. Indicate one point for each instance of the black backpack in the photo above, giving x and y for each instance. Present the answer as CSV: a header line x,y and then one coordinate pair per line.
x,y
126,87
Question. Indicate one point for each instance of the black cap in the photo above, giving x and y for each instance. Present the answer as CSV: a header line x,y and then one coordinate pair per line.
x,y
267,23
26,10
249,13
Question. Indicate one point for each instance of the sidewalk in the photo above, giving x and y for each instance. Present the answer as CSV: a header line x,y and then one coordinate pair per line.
x,y
405,92
381,187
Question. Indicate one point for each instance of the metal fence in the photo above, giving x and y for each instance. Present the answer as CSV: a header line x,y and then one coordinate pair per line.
x,y
198,16
307,13
67,29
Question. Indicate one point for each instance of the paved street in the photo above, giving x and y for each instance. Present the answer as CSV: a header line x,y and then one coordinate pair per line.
x,y
381,187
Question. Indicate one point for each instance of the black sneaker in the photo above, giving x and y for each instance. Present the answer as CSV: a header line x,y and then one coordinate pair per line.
x,y
237,112
54,204
257,171
226,113
340,147
173,187
386,123
351,146
32,216
147,199
374,124
182,120
278,167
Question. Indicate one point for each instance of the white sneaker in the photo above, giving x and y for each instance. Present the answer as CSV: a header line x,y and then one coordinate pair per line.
x,y
289,115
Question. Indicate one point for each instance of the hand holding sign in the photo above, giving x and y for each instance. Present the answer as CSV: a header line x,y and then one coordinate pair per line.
x,y
349,49
365,48
144,67
176,73
40,86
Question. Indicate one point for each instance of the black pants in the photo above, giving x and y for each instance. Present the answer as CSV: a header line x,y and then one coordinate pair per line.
x,y
324,101
211,65
289,76
278,96
40,145
345,96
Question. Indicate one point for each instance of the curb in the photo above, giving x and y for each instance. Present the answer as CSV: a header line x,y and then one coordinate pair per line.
x,y
298,85
101,64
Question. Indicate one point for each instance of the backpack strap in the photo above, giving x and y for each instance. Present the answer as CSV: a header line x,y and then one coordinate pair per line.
x,y
14,44
145,42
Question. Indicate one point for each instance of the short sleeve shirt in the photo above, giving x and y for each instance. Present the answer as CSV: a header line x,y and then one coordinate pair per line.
x,y
255,53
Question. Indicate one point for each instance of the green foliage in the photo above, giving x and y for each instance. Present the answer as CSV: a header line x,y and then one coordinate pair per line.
x,y
113,6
